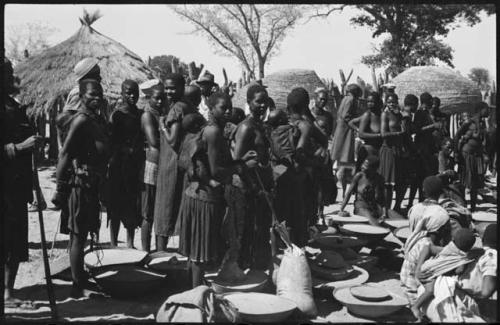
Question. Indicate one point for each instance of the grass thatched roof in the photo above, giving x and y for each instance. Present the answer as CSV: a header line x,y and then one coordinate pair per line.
x,y
48,75
279,85
457,93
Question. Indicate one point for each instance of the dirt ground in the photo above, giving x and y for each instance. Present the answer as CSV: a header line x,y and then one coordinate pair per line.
x,y
30,282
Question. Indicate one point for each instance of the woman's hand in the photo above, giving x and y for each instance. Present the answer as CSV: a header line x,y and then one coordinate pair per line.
x,y
249,155
252,163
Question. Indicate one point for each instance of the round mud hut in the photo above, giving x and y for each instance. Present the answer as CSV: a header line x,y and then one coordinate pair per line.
x,y
47,78
457,93
280,83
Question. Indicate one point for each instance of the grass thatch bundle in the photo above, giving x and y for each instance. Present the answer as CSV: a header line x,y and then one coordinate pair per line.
x,y
47,76
457,93
279,85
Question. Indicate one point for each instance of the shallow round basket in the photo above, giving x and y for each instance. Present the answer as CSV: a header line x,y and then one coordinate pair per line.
x,y
398,223
367,231
339,220
127,280
165,262
254,281
339,241
402,233
366,262
113,256
330,209
261,307
330,274
484,217
368,292
369,309
358,276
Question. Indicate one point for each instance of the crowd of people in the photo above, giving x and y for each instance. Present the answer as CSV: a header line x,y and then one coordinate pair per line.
x,y
188,163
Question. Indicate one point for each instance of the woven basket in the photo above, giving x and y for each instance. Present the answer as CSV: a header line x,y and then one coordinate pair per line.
x,y
280,83
457,93
367,309
127,280
261,307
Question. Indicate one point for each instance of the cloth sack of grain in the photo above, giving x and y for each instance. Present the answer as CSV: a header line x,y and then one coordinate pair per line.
x,y
294,280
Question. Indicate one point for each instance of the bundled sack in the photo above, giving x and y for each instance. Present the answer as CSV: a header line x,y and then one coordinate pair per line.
x,y
198,305
294,280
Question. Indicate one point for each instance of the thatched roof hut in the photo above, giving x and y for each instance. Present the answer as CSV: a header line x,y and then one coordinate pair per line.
x,y
457,93
279,85
48,76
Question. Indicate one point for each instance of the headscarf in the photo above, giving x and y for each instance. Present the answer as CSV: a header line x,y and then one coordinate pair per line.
x,y
84,66
147,86
428,223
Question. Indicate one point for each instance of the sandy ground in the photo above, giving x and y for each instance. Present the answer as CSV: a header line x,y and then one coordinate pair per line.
x,y
30,282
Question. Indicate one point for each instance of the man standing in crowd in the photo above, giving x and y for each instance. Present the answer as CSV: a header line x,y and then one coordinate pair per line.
x,y
18,142
206,83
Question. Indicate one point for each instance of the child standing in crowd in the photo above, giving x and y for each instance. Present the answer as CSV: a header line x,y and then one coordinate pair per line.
x,y
150,128
127,158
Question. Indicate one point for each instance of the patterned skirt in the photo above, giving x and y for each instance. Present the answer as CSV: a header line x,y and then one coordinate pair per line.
x,y
472,172
388,165
200,223
83,208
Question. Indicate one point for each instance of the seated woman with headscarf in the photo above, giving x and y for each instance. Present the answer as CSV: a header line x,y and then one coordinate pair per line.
x,y
430,230
464,298
449,261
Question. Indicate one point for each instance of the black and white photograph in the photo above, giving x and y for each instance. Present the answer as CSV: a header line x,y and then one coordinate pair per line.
x,y
250,162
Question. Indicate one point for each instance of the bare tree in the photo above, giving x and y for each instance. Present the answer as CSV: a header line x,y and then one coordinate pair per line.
x,y
251,33
24,40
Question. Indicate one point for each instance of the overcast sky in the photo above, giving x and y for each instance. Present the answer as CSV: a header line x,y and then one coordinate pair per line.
x,y
325,45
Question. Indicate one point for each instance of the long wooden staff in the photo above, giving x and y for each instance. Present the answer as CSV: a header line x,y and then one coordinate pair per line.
x,y
279,227
50,288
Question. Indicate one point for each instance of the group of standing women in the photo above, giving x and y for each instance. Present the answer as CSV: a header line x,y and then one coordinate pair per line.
x,y
169,169
404,146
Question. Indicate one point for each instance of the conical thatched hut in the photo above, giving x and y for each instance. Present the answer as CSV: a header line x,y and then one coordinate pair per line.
x,y
457,93
280,83
48,76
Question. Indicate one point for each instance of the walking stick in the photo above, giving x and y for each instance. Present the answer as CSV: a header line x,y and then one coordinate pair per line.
x,y
50,288
279,227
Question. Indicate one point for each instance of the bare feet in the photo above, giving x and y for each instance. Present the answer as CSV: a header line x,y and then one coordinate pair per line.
x,y
417,313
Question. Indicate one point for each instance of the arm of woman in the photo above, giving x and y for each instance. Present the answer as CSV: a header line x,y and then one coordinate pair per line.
x,y
150,130
424,255
242,139
352,124
65,161
463,129
352,187
305,129
172,133
488,288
